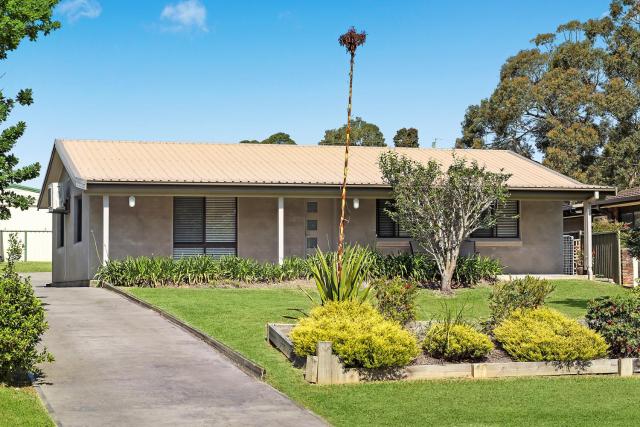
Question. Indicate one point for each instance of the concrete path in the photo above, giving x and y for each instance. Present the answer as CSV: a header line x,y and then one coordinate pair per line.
x,y
118,364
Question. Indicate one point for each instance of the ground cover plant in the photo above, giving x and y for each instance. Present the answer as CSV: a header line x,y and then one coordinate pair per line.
x,y
203,270
237,318
544,334
618,320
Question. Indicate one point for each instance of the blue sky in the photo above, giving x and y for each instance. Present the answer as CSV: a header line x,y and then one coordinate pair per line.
x,y
199,70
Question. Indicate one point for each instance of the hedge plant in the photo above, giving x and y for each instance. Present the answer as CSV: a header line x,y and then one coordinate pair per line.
x,y
527,292
617,319
396,299
361,337
456,342
544,334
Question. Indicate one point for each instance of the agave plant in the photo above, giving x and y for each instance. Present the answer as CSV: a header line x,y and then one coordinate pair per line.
x,y
348,284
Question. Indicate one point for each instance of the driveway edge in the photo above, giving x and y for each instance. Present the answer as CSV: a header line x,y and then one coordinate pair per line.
x,y
43,398
246,365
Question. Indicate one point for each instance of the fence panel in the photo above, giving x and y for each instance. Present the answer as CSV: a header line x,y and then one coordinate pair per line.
x,y
606,256
37,244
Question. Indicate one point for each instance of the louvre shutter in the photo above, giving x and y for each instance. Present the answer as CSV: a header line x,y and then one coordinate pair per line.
x,y
385,226
221,219
507,219
188,219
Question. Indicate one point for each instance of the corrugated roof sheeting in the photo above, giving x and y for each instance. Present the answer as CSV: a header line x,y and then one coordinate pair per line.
x,y
163,162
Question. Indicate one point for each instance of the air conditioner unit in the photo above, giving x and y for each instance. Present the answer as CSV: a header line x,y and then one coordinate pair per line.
x,y
57,197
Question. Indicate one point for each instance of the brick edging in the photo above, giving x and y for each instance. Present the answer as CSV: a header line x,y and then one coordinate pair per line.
x,y
246,365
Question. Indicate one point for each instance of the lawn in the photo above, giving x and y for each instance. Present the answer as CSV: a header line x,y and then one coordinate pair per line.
x,y
30,266
22,407
238,316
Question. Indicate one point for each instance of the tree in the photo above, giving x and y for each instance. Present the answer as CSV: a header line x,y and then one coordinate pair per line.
x,y
350,41
441,209
279,138
18,19
406,137
249,141
362,133
574,97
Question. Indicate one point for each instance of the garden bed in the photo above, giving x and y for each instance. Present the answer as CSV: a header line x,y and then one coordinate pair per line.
x,y
326,368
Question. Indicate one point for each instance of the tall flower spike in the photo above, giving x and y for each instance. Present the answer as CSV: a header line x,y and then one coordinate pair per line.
x,y
352,39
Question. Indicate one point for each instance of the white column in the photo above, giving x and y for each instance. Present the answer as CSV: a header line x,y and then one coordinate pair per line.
x,y
588,239
105,229
280,230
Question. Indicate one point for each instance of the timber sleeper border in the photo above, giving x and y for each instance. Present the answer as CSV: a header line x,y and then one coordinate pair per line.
x,y
246,365
326,368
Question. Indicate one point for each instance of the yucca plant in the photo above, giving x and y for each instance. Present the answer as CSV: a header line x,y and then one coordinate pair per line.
x,y
348,284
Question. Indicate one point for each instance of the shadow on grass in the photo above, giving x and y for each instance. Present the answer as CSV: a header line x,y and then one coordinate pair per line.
x,y
572,302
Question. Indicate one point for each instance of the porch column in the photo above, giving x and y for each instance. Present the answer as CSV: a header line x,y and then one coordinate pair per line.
x,y
105,229
280,230
587,251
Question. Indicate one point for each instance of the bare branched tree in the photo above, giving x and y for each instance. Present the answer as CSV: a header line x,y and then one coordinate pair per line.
x,y
350,40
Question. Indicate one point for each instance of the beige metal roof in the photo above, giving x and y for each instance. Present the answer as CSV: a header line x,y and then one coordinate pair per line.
x,y
164,162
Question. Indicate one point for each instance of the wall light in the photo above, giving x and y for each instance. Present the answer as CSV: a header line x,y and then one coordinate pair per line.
x,y
356,203
132,201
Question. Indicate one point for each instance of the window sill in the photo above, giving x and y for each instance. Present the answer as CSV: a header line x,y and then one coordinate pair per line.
x,y
392,241
497,242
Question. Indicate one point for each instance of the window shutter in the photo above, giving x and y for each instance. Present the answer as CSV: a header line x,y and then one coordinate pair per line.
x,y
221,219
507,219
188,218
386,227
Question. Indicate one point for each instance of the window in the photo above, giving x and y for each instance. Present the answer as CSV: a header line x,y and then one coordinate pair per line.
x,y
312,225
60,237
204,226
385,226
312,207
77,219
507,222
312,242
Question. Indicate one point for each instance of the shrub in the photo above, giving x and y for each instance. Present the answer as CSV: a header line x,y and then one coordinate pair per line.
x,y
456,342
543,334
617,319
361,337
22,321
396,299
506,297
356,266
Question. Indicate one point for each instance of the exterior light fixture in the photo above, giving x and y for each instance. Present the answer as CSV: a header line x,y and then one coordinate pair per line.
x,y
356,203
132,201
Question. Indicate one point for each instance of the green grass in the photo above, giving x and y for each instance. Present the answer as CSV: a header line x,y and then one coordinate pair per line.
x,y
30,266
21,407
238,316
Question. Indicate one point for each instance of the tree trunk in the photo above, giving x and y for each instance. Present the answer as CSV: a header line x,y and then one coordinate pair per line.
x,y
447,275
343,193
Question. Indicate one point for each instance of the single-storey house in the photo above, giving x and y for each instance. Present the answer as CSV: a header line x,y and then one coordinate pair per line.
x,y
113,199
622,207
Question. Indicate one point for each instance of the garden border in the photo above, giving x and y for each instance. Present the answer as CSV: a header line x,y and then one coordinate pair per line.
x,y
326,368
246,365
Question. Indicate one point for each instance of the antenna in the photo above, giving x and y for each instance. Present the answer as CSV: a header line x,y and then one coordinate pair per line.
x,y
434,143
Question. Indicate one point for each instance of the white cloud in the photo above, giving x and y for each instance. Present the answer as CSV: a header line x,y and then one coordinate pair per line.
x,y
184,16
77,9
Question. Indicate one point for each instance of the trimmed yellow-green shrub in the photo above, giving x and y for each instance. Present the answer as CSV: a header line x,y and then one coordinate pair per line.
x,y
361,337
456,342
544,334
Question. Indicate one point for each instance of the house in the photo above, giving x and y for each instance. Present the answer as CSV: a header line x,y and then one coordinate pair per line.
x,y
622,207
31,226
267,202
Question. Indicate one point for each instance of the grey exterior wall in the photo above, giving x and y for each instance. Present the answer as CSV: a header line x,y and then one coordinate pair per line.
x,y
147,229
540,248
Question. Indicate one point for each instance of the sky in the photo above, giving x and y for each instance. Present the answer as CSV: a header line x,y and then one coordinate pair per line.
x,y
214,71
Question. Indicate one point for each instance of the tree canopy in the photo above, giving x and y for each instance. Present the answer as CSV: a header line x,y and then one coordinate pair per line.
x,y
406,137
362,133
574,98
276,138
18,20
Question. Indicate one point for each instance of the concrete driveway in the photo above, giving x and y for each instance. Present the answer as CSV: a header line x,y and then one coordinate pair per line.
x,y
118,364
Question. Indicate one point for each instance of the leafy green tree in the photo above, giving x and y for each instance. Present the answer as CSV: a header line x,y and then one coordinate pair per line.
x,y
18,20
440,209
574,97
279,138
249,141
406,137
362,133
